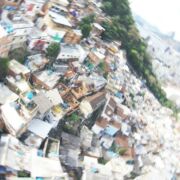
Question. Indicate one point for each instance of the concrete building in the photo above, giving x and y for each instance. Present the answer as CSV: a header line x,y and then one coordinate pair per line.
x,y
92,103
70,52
73,37
5,40
15,29
45,79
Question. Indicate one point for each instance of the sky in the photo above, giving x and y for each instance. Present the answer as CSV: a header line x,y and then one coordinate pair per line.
x,y
164,14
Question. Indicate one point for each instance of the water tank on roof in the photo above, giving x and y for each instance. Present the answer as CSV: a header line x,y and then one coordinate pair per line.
x,y
18,78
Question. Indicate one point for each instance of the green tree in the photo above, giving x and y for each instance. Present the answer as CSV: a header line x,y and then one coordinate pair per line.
x,y
120,26
85,25
52,50
86,29
74,117
107,7
102,66
88,19
101,160
4,62
19,54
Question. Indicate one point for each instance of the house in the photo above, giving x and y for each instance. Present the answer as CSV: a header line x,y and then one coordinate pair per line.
x,y
5,40
54,96
9,158
79,90
60,67
91,103
122,141
55,35
70,74
37,40
39,128
14,122
73,37
27,103
119,167
99,125
98,81
32,8
97,29
18,27
113,169
114,109
36,62
70,52
109,108
17,84
70,103
17,115
55,114
96,56
16,69
94,170
106,141
59,19
43,103
95,82
94,151
63,89
112,83
113,119
45,79
51,148
6,94
123,111
15,156
47,168
59,9
112,128
30,139
114,47
76,66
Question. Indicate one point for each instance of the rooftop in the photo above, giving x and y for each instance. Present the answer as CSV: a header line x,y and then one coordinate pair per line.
x,y
3,32
13,118
6,94
59,19
40,128
44,104
36,62
97,99
18,68
98,26
19,83
69,51
54,97
48,77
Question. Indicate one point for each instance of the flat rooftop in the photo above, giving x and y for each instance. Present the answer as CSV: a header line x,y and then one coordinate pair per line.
x,y
3,32
6,94
18,68
59,19
50,78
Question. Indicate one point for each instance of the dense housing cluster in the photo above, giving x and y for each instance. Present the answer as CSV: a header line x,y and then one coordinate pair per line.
x,y
70,106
